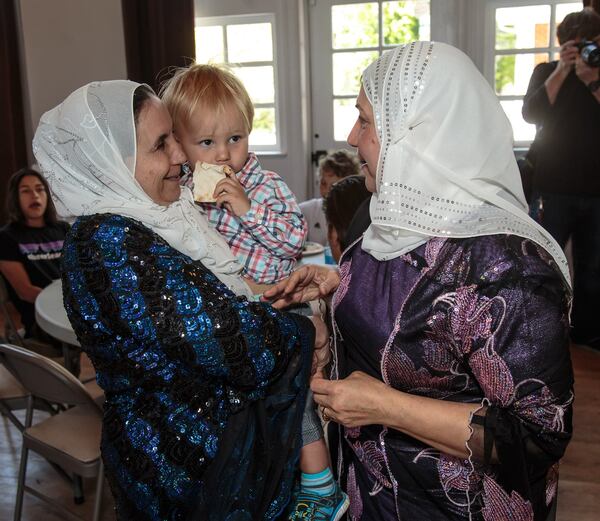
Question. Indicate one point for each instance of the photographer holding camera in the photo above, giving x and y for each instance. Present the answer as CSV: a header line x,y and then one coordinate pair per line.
x,y
563,100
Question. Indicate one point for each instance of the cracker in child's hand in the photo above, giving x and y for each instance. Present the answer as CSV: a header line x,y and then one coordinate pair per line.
x,y
206,177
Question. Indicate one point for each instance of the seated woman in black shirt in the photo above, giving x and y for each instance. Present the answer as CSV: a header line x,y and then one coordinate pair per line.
x,y
31,242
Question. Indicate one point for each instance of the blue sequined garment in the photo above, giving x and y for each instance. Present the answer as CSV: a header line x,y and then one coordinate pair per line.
x,y
204,390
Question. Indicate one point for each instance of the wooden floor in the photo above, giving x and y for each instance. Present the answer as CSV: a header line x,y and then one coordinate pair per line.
x,y
579,486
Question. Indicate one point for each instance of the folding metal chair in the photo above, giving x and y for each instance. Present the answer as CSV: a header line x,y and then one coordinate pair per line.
x,y
13,397
70,439
12,335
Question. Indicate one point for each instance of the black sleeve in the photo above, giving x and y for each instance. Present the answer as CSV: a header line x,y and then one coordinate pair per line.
x,y
536,105
524,368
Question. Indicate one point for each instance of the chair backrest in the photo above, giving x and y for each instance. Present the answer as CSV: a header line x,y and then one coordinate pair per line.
x,y
11,333
43,377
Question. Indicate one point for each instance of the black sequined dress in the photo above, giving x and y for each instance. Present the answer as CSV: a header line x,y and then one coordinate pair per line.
x,y
204,390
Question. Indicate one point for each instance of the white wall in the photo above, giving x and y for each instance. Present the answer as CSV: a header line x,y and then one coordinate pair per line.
x,y
66,44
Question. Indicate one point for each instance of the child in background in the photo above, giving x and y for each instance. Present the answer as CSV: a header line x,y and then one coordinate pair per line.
x,y
259,217
341,204
32,243
332,168
255,211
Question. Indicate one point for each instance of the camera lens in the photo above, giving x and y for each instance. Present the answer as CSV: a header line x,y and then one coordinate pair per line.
x,y
590,53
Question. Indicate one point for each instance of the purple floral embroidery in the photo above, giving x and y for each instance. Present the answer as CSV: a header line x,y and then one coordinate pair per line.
x,y
345,278
399,371
493,375
433,248
499,506
469,317
456,474
539,406
373,460
356,505
436,358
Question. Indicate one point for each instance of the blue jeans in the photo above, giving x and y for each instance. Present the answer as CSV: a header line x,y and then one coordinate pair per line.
x,y
578,218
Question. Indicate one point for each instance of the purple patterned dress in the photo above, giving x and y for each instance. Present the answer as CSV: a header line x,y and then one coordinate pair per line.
x,y
479,320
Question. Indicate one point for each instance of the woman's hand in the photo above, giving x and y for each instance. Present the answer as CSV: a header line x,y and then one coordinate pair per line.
x,y
230,193
307,283
586,73
354,401
568,56
321,353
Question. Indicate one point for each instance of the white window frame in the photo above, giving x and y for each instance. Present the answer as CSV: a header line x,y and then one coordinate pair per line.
x,y
323,117
490,51
280,146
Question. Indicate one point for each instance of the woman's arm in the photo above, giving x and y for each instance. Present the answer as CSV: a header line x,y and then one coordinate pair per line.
x,y
17,277
536,103
363,400
568,55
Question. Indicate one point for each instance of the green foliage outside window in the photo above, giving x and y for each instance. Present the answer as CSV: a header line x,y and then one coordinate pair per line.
x,y
399,26
264,119
505,65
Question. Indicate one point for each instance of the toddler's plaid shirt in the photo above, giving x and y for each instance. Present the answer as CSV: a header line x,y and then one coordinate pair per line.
x,y
267,239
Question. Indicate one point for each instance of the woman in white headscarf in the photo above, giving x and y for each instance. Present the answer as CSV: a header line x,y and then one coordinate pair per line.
x,y
204,390
451,388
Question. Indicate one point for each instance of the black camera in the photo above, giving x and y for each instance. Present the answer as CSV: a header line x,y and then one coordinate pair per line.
x,y
590,53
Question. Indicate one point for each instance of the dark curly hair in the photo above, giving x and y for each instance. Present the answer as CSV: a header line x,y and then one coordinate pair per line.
x,y
341,163
13,207
341,203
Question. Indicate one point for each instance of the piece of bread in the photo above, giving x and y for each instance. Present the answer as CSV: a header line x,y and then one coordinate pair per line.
x,y
206,177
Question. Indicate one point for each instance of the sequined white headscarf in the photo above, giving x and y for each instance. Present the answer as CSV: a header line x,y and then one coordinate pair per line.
x,y
446,166
86,149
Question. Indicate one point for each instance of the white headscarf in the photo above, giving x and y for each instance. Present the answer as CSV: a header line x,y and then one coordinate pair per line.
x,y
446,166
86,149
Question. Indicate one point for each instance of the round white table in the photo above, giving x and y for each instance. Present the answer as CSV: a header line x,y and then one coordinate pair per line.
x,y
51,316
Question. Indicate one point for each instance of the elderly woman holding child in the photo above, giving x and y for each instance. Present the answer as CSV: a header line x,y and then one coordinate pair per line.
x,y
205,390
451,386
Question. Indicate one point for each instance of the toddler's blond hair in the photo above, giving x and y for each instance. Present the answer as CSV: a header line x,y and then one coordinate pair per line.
x,y
208,87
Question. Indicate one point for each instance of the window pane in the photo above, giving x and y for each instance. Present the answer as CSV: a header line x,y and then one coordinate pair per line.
x,y
405,21
249,42
347,70
523,27
344,116
259,82
522,131
209,44
263,130
355,25
513,72
563,10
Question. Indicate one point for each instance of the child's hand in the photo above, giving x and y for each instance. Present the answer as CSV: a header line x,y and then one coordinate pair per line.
x,y
230,193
